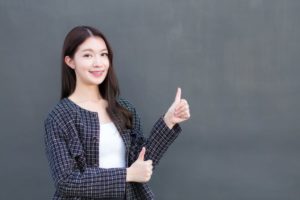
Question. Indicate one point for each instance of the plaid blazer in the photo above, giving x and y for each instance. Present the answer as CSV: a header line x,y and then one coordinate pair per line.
x,y
72,145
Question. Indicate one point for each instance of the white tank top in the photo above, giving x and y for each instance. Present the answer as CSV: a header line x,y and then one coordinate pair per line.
x,y
111,147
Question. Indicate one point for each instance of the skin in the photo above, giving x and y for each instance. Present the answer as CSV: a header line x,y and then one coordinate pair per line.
x,y
92,56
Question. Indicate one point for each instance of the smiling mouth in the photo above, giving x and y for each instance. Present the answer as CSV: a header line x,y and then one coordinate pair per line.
x,y
97,73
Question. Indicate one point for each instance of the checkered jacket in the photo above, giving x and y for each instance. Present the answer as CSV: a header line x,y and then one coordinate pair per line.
x,y
72,145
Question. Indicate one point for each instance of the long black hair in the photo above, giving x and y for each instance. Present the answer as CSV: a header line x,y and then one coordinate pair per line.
x,y
109,88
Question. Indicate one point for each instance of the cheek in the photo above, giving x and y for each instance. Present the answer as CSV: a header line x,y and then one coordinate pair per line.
x,y
85,64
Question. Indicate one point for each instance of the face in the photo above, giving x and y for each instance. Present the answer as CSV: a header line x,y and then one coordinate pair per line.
x,y
90,62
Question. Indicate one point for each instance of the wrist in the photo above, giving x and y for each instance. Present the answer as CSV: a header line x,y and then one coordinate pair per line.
x,y
168,122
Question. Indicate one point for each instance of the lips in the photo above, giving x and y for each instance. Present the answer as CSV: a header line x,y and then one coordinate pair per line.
x,y
97,73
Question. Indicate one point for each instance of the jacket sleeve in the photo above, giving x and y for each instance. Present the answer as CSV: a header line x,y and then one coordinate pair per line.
x,y
161,137
69,171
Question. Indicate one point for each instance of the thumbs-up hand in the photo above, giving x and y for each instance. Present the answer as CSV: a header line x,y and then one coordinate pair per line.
x,y
141,170
178,112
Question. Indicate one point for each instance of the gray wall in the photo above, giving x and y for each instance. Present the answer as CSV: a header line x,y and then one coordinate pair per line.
x,y
236,61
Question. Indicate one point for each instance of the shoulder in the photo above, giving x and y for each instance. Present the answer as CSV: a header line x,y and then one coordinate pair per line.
x,y
60,113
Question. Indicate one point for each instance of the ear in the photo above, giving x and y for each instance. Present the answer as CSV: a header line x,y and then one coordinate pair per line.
x,y
69,61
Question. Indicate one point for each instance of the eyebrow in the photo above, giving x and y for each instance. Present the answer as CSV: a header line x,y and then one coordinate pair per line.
x,y
93,50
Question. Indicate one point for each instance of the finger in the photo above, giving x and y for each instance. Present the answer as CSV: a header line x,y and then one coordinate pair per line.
x,y
142,154
149,162
182,109
183,114
183,101
178,96
182,106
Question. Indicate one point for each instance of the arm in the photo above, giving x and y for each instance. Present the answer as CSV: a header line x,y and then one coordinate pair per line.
x,y
161,137
156,145
72,179
164,131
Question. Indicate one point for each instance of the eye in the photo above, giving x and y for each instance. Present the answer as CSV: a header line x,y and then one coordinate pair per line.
x,y
104,54
87,55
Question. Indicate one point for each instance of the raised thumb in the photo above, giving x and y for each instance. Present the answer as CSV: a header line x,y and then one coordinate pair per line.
x,y
178,96
142,154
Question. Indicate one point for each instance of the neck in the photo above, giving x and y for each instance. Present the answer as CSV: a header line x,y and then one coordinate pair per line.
x,y
84,93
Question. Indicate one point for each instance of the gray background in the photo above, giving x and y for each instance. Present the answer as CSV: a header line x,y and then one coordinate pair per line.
x,y
235,60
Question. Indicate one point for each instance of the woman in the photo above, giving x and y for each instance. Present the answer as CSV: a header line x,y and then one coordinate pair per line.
x,y
94,141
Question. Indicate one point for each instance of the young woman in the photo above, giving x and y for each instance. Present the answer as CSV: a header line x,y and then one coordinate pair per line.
x,y
94,140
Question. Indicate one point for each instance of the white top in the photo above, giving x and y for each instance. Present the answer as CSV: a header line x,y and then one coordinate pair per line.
x,y
111,147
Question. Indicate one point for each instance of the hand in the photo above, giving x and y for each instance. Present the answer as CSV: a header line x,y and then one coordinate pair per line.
x,y
140,171
178,112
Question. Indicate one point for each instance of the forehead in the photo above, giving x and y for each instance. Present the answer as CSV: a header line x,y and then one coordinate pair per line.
x,y
93,43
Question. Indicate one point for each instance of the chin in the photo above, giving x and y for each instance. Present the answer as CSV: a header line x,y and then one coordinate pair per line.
x,y
100,81
94,82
